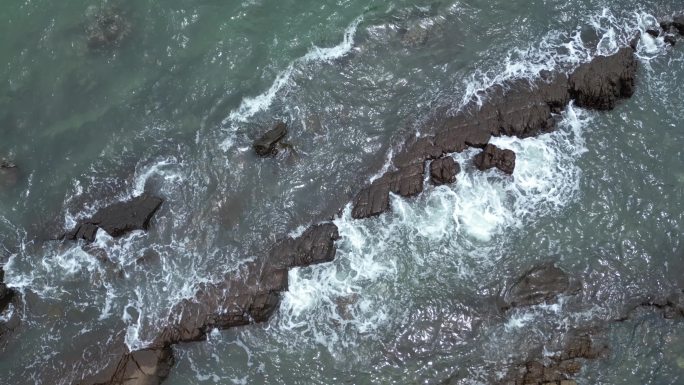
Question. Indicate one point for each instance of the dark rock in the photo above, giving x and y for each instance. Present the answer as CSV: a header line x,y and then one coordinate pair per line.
x,y
6,294
252,294
669,39
459,134
678,22
653,32
493,156
315,245
541,284
417,151
119,218
107,27
601,82
374,199
444,170
143,367
634,43
266,144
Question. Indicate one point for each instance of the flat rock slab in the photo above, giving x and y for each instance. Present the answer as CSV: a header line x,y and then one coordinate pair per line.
x,y
443,171
119,218
493,156
266,144
600,83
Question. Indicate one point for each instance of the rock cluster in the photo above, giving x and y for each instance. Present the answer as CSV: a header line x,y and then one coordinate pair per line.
x,y
118,219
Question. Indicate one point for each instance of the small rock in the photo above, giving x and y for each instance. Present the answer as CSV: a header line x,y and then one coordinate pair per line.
x,y
653,32
444,170
669,39
266,144
9,174
493,156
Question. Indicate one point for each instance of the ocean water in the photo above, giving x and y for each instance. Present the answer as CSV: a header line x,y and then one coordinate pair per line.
x,y
173,107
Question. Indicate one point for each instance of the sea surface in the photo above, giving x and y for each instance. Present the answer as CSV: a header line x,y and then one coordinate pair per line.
x,y
173,106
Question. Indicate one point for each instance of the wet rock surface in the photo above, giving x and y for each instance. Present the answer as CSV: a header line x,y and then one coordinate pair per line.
x,y
266,145
374,199
600,83
118,219
492,156
6,294
541,284
444,171
142,367
561,367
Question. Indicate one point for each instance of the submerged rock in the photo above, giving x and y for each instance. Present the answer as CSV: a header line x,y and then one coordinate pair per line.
x,y
266,144
106,27
374,199
118,219
9,174
678,22
601,82
493,156
444,170
669,39
541,284
143,367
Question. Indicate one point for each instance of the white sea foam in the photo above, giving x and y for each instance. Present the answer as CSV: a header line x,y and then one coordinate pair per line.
x,y
251,106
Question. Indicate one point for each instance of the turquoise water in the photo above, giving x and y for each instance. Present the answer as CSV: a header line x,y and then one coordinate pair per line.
x,y
172,108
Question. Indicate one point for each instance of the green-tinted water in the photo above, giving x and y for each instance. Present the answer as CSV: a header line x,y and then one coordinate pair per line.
x,y
172,107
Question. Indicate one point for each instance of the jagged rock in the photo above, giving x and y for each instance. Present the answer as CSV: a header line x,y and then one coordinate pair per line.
x,y
251,295
601,82
459,134
143,367
266,144
119,218
107,27
315,245
374,199
493,156
539,285
417,151
444,170
559,369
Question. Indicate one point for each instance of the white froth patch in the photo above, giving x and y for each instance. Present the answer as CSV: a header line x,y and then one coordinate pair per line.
x,y
251,106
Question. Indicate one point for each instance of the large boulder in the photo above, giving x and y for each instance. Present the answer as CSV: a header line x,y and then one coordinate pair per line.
x,y
600,83
374,199
492,156
539,285
266,144
119,218
444,170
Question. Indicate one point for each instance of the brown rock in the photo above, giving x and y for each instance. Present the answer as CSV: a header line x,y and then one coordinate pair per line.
x,y
374,199
444,170
493,156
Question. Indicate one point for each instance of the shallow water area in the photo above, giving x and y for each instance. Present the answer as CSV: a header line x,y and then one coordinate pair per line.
x,y
172,109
